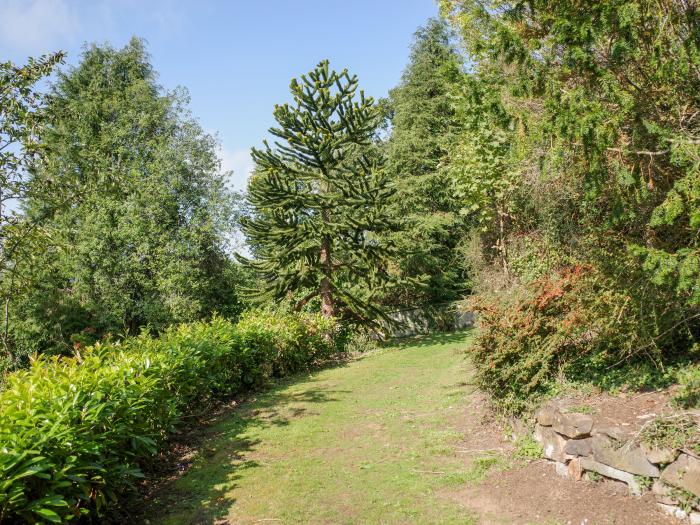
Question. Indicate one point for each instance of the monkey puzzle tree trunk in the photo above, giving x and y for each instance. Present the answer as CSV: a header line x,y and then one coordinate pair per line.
x,y
319,200
326,290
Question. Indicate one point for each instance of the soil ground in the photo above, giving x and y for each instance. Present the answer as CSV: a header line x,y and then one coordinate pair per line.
x,y
396,436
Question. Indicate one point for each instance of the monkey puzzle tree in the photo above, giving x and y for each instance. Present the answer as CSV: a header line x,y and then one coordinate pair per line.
x,y
319,199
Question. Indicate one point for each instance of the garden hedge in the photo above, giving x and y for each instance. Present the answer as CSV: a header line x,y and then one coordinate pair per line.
x,y
76,432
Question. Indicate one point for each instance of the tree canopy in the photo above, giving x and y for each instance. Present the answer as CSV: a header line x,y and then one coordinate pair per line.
x,y
142,241
319,199
423,125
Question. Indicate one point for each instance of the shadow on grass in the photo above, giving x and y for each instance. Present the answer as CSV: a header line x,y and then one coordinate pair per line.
x,y
200,488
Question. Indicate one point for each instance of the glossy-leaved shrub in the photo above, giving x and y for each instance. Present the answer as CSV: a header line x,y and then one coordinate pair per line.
x,y
76,432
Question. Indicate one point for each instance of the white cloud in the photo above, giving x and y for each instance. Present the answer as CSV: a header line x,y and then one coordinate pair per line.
x,y
37,26
240,163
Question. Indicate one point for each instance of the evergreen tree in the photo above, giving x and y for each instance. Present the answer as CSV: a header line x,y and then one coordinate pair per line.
x,y
423,126
319,199
143,240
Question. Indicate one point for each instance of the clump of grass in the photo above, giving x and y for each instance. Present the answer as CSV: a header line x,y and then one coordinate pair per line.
x,y
677,431
527,448
644,482
481,467
593,476
360,342
686,500
581,409
688,395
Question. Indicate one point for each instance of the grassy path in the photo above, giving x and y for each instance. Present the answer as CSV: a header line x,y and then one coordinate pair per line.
x,y
370,442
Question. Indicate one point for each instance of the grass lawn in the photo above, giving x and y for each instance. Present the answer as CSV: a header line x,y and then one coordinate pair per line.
x,y
369,442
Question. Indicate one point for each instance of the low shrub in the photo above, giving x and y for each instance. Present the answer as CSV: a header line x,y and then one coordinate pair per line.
x,y
76,432
360,342
688,394
678,431
578,326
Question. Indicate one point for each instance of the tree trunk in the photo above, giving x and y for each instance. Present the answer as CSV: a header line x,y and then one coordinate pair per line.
x,y
327,303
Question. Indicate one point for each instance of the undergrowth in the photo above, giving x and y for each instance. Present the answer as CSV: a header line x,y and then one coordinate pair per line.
x,y
672,432
579,328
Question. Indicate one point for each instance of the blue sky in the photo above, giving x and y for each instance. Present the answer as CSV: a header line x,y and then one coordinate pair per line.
x,y
235,57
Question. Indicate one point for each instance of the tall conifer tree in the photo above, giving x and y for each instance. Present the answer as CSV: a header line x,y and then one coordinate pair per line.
x,y
423,125
318,198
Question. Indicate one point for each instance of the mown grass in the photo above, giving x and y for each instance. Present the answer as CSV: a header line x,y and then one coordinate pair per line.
x,y
369,442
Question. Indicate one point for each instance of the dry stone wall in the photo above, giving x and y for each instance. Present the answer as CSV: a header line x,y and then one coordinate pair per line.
x,y
582,446
417,321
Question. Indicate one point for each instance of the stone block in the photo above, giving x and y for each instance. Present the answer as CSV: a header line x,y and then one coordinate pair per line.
x,y
694,518
660,456
611,472
691,453
627,457
683,473
561,469
579,447
552,443
615,432
545,416
673,511
662,493
575,469
572,425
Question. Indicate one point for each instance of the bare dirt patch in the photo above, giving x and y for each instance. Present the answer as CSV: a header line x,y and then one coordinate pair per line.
x,y
630,410
534,494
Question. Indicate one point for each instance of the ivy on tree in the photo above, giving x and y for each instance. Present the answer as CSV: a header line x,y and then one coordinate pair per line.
x,y
319,197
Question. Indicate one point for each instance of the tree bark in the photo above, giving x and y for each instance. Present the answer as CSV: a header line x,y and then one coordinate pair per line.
x,y
6,328
327,302
300,304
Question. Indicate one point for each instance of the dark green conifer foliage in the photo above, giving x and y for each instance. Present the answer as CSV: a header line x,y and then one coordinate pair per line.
x,y
423,126
319,199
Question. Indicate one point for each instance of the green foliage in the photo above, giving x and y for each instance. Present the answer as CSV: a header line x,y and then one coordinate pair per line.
x,y
22,117
423,124
481,467
527,448
577,325
580,137
593,476
76,432
688,393
673,432
644,482
360,342
686,500
137,234
581,409
319,199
